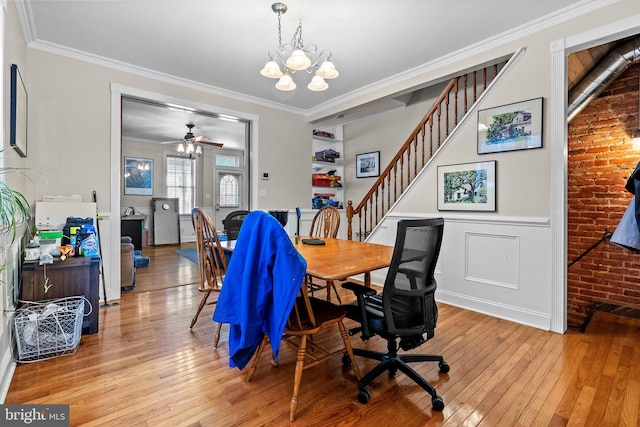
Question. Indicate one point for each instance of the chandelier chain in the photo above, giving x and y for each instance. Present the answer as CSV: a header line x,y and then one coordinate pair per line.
x,y
279,31
296,40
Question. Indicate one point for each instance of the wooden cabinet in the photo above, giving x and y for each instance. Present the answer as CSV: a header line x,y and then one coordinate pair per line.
x,y
71,277
327,168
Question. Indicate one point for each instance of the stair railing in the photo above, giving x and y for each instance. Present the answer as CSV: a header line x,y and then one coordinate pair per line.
x,y
420,146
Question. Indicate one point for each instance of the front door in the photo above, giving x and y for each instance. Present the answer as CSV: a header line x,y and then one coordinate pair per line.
x,y
230,195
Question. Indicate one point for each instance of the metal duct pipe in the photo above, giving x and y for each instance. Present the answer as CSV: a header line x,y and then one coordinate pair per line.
x,y
605,72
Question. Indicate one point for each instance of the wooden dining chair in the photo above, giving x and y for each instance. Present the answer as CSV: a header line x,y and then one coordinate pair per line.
x,y
325,224
309,317
212,263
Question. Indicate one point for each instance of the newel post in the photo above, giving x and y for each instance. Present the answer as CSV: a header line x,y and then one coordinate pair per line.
x,y
349,220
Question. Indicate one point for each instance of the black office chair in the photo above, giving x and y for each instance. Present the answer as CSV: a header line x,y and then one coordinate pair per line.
x,y
233,222
406,309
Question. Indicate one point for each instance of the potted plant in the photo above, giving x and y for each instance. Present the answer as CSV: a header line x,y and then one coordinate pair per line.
x,y
15,210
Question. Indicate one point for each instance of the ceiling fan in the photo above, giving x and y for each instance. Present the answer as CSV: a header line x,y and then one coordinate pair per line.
x,y
191,139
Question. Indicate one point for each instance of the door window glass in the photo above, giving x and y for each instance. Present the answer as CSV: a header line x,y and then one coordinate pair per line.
x,y
229,191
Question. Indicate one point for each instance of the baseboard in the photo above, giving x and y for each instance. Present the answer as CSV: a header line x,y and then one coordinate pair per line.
x,y
501,311
7,366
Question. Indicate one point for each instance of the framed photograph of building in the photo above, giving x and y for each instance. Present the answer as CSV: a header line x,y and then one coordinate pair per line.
x,y
467,187
510,127
138,176
368,164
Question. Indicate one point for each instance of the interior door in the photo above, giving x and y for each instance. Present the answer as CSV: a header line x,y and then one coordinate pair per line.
x,y
230,194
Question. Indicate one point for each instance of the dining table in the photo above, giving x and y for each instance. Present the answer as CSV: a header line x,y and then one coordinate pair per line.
x,y
338,259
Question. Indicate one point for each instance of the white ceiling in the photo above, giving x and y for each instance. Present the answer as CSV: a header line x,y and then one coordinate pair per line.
x,y
222,45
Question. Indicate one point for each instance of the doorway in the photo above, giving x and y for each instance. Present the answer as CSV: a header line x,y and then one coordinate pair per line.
x,y
118,94
230,189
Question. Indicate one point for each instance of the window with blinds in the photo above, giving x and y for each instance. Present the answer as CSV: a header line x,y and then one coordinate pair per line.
x,y
180,182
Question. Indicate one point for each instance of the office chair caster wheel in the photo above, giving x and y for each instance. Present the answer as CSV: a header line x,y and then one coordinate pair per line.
x,y
346,361
444,367
437,403
363,397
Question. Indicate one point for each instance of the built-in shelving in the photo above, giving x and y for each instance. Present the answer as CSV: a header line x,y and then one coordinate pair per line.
x,y
327,169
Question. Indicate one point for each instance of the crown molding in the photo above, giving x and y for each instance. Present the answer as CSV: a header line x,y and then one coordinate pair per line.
x,y
382,88
388,86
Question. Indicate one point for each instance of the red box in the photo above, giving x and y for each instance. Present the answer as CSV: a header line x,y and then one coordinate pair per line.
x,y
323,180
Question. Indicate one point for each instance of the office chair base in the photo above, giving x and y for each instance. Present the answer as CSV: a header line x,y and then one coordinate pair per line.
x,y
391,363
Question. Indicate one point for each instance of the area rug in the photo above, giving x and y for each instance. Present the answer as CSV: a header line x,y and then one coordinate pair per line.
x,y
191,254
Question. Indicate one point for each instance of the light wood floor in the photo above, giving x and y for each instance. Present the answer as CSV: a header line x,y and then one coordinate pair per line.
x,y
146,368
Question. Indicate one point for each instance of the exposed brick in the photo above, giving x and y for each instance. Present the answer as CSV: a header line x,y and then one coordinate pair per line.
x,y
601,158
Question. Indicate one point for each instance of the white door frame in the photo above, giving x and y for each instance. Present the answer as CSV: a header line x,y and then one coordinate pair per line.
x,y
560,49
117,92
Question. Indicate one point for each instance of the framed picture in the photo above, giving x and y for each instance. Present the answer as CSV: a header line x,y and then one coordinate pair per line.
x,y
18,113
368,164
138,176
510,127
467,187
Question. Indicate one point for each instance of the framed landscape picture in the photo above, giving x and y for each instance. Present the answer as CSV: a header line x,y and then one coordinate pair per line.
x,y
467,187
510,127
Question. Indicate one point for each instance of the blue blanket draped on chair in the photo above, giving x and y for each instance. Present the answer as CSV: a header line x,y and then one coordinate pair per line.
x,y
260,287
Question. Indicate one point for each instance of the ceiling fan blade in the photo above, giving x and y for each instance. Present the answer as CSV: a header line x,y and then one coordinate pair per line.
x,y
205,141
211,143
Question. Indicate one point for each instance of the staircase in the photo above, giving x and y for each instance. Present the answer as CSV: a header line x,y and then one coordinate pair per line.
x,y
426,139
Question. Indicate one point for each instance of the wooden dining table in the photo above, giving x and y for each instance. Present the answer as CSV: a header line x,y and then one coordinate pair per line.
x,y
338,259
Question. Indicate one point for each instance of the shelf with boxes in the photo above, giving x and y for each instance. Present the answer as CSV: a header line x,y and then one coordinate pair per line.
x,y
327,168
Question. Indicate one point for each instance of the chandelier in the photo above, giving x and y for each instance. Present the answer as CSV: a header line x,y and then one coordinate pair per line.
x,y
295,56
188,147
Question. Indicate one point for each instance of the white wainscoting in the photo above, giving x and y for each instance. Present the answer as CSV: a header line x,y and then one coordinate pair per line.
x,y
493,265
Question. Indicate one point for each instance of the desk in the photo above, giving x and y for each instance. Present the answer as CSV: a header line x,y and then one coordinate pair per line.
x,y
338,259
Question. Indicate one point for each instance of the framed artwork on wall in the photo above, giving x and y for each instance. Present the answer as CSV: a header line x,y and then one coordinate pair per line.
x,y
467,187
18,113
138,176
368,164
510,127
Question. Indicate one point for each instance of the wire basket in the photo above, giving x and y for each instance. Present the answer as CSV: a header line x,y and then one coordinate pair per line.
x,y
48,329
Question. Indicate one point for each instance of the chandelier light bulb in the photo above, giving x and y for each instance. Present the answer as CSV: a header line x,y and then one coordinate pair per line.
x,y
198,150
317,84
327,70
271,70
286,83
298,60
180,148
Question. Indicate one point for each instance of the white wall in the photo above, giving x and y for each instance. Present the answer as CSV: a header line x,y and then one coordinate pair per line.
x,y
507,263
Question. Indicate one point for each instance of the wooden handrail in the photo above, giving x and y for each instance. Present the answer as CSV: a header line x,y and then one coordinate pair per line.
x,y
420,146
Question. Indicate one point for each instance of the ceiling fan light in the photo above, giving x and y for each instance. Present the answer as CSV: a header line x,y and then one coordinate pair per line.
x,y
298,60
327,70
271,70
181,148
198,150
317,84
285,83
189,148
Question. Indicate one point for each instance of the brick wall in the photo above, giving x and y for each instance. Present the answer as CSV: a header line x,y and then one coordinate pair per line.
x,y
601,158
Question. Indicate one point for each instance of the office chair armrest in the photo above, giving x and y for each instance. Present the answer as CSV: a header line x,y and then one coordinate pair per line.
x,y
359,289
361,292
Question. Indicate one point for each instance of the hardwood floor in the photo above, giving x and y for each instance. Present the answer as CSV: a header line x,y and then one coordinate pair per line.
x,y
146,368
